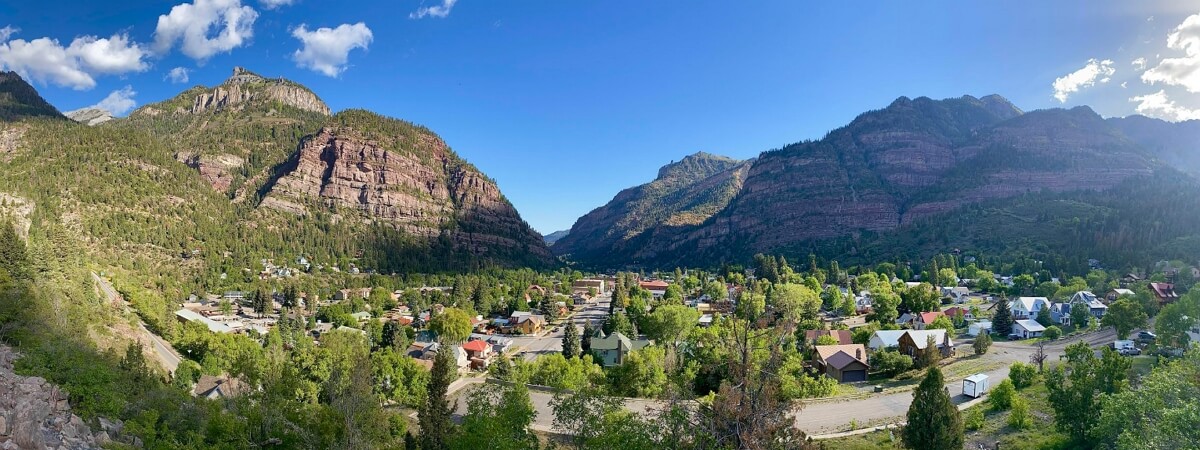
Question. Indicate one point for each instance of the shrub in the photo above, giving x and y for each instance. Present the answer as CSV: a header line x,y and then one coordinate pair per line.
x,y
1002,396
982,343
1052,332
1019,417
891,362
974,419
1022,375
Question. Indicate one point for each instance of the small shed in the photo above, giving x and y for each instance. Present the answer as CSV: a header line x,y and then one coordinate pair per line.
x,y
982,326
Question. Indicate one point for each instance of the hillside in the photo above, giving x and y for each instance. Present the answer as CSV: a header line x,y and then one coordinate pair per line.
x,y
19,100
555,236
684,193
893,174
1175,143
194,188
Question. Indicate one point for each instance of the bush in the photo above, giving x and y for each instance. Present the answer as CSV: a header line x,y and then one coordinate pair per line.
x,y
982,343
1002,395
891,362
974,419
1052,332
1022,375
1019,417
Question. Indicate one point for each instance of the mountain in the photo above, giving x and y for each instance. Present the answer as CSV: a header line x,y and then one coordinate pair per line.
x,y
895,172
19,100
90,116
551,238
216,179
1175,143
685,193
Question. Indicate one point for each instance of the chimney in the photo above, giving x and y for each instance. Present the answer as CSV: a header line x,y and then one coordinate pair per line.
x,y
858,354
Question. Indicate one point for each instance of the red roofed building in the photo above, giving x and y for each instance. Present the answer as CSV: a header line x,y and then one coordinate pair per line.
x,y
478,349
955,311
1164,292
657,287
843,337
927,318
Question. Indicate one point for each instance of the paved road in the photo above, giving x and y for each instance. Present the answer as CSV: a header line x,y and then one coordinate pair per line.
x,y
533,346
162,349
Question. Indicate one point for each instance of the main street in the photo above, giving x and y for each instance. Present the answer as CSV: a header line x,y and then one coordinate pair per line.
x,y
530,347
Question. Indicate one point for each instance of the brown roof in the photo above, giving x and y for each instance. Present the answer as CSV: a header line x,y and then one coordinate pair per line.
x,y
841,360
844,337
827,353
1164,290
228,387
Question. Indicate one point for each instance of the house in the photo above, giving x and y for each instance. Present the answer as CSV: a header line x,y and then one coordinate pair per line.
x,y
844,363
1027,328
187,315
982,326
955,311
1117,293
234,296
926,319
843,337
884,339
657,288
361,316
1027,307
1060,313
526,322
957,293
347,294
479,348
1129,280
1096,307
863,303
907,320
212,388
914,343
612,349
1164,292
705,320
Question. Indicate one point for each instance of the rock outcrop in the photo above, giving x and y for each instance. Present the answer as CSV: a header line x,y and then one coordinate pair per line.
x,y
35,414
911,161
410,180
90,116
215,169
245,87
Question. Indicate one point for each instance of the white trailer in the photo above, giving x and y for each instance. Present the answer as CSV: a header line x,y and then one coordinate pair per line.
x,y
975,386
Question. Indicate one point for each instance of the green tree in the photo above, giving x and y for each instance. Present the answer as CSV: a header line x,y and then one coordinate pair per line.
x,y
947,277
1002,395
673,295
1075,394
1052,332
1022,375
1043,317
1124,315
931,355
796,383
890,362
933,420
982,343
499,419
1002,320
942,323
1020,418
570,340
452,326
920,298
1081,314
884,305
1159,414
716,291
642,374
437,430
670,323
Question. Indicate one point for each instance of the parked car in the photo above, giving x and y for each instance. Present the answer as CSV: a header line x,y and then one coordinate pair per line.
x,y
1146,337
1129,351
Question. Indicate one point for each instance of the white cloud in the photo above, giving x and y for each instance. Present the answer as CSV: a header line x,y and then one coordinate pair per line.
x,y
326,50
273,4
1139,64
7,32
75,66
1124,84
439,11
1095,71
1183,71
178,75
1160,106
115,55
118,102
191,24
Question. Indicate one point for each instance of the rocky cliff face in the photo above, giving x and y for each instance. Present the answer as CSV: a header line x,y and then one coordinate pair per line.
x,y
915,159
90,116
36,415
409,179
685,193
245,87
1175,143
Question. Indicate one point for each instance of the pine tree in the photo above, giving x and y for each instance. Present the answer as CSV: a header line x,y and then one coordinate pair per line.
x,y
933,420
434,414
585,343
1002,320
570,340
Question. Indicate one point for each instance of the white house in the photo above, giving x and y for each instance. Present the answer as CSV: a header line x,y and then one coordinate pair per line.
x,y
958,293
982,326
883,339
1026,307
1027,328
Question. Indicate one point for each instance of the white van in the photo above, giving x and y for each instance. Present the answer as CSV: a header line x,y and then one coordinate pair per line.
x,y
1125,347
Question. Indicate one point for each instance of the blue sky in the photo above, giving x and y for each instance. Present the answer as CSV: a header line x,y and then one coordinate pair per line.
x,y
564,103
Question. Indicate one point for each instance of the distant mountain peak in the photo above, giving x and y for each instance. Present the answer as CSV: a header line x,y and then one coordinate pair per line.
x,y
245,88
90,116
699,164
